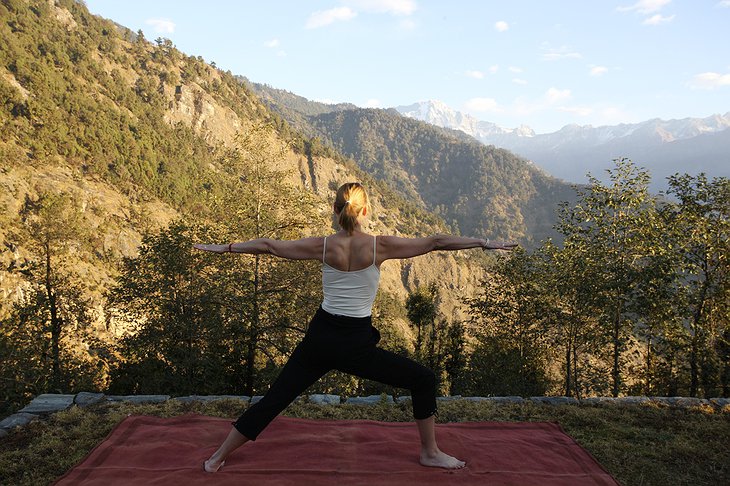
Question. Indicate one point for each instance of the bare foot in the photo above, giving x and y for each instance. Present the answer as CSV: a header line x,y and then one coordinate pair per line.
x,y
211,466
439,459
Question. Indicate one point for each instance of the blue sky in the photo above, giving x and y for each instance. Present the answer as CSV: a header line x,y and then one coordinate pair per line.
x,y
540,63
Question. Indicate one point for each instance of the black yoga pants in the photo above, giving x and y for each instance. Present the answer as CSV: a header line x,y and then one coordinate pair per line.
x,y
347,344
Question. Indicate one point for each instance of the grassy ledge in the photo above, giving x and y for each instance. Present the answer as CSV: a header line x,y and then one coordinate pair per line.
x,y
646,444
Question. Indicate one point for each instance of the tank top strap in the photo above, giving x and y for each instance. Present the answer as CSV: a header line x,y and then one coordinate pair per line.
x,y
375,245
324,248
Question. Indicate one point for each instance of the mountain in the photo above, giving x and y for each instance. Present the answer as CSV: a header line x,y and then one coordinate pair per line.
x,y
479,190
664,147
440,114
139,133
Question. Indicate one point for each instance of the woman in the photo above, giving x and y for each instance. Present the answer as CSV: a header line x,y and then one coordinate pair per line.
x,y
340,336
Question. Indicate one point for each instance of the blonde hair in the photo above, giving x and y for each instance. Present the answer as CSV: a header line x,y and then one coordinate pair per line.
x,y
350,201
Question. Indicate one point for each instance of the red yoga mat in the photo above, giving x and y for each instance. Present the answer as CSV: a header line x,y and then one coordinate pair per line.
x,y
152,451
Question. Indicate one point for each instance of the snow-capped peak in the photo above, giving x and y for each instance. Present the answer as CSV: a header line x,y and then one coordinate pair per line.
x,y
440,114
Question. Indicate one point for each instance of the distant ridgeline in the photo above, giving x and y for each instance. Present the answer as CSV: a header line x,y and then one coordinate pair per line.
x,y
663,147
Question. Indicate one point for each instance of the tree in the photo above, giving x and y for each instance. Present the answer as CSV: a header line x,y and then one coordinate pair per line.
x,y
45,331
723,352
509,316
569,317
269,300
608,226
440,345
700,230
178,341
54,223
657,304
455,359
421,310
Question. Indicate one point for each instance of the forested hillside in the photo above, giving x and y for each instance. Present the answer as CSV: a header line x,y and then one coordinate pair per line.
x,y
116,152
479,190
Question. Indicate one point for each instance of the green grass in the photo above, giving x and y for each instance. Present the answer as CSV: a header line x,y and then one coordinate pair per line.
x,y
638,445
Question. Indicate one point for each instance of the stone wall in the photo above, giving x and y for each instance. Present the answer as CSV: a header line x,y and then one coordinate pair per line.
x,y
46,404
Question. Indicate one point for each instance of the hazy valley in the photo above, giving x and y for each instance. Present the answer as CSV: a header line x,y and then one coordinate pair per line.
x,y
664,147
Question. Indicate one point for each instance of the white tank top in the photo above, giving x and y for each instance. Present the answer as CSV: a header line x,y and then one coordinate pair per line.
x,y
349,293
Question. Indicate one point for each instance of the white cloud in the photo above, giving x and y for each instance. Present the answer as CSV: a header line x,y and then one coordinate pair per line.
x,y
598,70
281,53
494,68
724,3
326,17
352,7
394,7
555,95
483,105
501,26
272,43
475,74
514,69
710,80
519,81
373,103
558,53
161,26
658,19
645,6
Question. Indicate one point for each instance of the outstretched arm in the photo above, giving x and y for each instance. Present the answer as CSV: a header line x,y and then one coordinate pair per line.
x,y
304,249
396,247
